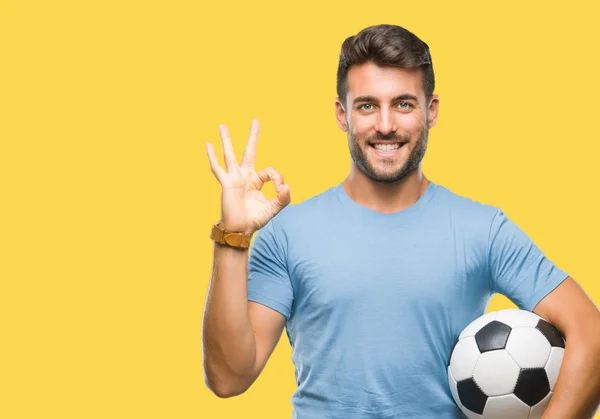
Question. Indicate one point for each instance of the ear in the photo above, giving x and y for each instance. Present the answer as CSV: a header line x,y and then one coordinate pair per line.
x,y
432,113
340,115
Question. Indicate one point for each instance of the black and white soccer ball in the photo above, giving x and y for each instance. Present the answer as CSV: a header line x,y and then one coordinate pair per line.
x,y
505,365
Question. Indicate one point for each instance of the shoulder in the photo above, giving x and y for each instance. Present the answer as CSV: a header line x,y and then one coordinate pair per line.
x,y
311,209
466,211
297,220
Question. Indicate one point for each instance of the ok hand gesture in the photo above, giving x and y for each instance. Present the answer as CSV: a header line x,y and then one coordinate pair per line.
x,y
244,208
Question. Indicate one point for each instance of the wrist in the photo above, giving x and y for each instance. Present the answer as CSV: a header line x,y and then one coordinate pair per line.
x,y
221,235
232,228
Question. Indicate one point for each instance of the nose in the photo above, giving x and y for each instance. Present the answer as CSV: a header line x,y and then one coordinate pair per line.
x,y
386,123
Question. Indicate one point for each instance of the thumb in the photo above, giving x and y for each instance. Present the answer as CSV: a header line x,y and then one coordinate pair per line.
x,y
282,199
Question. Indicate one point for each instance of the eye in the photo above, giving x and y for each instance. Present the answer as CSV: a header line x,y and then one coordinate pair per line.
x,y
404,105
362,107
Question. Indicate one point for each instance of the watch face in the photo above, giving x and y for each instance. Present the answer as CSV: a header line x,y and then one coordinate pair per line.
x,y
230,239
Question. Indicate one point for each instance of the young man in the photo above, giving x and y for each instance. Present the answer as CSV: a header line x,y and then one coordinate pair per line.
x,y
375,278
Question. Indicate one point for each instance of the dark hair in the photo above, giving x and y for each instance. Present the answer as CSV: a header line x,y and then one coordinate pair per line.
x,y
385,45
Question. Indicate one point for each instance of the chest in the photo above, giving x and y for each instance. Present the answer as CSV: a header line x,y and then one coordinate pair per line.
x,y
355,272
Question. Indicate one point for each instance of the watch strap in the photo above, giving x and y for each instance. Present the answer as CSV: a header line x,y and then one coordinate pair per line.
x,y
229,238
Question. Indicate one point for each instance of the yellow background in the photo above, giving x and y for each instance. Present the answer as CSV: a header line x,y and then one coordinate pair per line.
x,y
105,107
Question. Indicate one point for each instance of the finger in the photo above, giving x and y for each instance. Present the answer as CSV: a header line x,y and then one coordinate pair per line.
x,y
271,174
282,199
250,150
215,168
228,152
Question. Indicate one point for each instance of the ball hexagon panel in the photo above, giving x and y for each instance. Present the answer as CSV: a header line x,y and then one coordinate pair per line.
x,y
507,406
551,333
477,324
492,336
553,365
528,347
532,386
463,359
496,373
538,409
514,317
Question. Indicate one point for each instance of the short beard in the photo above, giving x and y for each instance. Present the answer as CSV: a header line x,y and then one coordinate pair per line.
x,y
414,159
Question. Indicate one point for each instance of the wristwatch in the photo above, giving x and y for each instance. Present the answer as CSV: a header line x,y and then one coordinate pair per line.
x,y
231,239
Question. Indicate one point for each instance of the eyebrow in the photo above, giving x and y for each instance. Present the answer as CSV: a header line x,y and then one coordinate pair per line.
x,y
374,99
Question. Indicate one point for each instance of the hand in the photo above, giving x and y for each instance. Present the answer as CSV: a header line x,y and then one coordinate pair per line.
x,y
244,208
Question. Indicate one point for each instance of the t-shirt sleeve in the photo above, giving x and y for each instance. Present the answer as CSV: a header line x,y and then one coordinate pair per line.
x,y
268,279
518,268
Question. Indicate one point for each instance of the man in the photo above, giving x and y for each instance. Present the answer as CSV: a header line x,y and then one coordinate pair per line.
x,y
375,278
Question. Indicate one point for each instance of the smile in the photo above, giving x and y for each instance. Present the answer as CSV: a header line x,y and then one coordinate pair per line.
x,y
388,149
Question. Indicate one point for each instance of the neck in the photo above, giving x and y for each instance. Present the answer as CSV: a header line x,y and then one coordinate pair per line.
x,y
385,197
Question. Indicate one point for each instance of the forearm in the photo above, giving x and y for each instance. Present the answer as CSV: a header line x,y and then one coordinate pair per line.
x,y
577,390
228,338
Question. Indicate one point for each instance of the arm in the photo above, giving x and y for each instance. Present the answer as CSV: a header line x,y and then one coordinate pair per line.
x,y
521,271
577,390
238,336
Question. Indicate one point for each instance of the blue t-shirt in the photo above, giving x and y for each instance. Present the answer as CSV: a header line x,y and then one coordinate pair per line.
x,y
375,302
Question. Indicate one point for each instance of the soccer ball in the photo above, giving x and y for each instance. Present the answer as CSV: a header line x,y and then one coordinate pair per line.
x,y
505,365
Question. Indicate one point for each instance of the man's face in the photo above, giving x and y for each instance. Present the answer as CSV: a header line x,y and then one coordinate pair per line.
x,y
387,120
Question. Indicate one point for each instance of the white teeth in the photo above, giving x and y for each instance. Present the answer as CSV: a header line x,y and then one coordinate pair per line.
x,y
387,147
